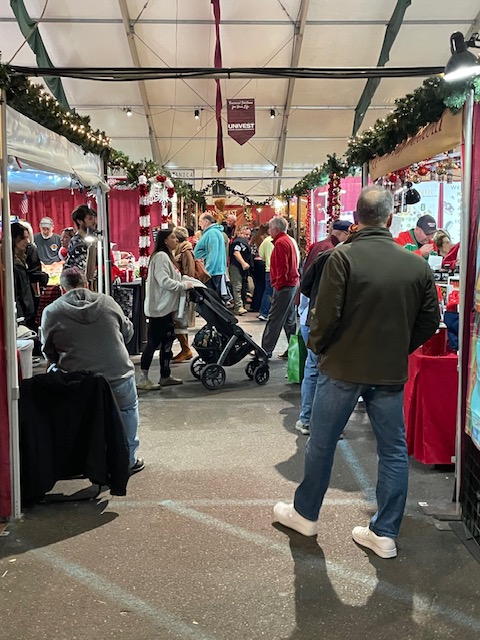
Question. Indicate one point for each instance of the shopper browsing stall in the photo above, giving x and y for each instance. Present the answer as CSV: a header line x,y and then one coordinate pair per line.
x,y
375,305
420,239
47,242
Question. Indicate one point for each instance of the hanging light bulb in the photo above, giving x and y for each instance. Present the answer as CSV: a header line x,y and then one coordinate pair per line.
x,y
196,114
128,111
272,113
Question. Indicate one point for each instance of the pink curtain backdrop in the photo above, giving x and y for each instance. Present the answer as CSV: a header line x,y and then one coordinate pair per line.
x,y
123,211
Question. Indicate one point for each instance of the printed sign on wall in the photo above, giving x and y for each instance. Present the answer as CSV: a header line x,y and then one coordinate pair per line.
x,y
241,119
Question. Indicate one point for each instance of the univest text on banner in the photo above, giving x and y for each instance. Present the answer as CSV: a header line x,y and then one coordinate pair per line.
x,y
241,119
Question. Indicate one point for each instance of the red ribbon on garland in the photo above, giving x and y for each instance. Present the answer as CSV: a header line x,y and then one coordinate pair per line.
x,y
218,101
308,221
334,202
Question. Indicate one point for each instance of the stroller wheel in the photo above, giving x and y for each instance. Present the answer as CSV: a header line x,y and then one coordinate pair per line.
x,y
250,369
196,367
213,376
261,374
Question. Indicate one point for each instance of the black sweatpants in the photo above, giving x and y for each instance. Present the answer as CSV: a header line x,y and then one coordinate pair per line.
x,y
160,335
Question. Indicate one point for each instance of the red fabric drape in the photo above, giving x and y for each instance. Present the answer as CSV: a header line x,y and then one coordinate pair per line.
x,y
58,205
218,100
5,487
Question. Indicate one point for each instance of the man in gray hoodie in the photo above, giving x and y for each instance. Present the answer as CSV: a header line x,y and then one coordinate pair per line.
x,y
87,331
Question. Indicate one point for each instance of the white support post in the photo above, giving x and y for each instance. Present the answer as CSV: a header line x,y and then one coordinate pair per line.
x,y
103,248
10,323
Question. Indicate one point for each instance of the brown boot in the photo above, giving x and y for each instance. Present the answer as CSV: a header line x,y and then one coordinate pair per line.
x,y
185,353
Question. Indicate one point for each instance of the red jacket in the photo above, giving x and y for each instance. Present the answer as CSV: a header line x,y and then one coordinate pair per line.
x,y
319,247
407,239
284,263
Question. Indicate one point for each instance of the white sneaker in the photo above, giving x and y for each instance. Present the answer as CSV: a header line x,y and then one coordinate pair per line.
x,y
302,427
147,385
384,547
285,513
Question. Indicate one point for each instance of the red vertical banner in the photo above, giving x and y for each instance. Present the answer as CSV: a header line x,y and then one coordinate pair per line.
x,y
218,100
241,119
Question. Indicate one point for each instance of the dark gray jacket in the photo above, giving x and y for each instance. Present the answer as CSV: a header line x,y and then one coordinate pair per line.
x,y
376,303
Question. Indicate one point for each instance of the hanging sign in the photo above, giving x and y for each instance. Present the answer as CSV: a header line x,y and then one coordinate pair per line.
x,y
431,140
241,119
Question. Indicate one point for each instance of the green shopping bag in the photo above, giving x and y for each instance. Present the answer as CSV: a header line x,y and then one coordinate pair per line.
x,y
297,354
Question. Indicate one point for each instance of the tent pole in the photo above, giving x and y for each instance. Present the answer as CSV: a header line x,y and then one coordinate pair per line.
x,y
10,320
103,248
464,236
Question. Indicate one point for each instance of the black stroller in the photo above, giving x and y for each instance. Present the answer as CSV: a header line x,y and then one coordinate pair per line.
x,y
221,343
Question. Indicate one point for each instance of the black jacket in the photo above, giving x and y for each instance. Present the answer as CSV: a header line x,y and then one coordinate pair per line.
x,y
311,280
376,303
70,425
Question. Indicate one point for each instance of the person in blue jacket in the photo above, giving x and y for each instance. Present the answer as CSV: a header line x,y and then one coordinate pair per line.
x,y
211,249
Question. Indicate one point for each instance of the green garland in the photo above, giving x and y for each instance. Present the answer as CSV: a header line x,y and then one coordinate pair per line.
x,y
416,110
319,176
37,104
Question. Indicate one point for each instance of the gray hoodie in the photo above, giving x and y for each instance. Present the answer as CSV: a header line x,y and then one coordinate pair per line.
x,y
87,331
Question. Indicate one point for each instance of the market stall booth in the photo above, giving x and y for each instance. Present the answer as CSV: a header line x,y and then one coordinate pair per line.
x,y
442,413
32,159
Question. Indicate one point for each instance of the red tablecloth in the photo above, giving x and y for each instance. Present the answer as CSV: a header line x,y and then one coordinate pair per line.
x,y
431,406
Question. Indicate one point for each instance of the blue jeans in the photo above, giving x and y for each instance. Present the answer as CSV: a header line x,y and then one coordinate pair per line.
x,y
125,393
267,296
333,404
309,382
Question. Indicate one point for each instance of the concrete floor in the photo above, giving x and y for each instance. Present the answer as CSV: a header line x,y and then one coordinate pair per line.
x,y
191,551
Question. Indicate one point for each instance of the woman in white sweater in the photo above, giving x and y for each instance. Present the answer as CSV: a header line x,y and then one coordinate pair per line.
x,y
164,286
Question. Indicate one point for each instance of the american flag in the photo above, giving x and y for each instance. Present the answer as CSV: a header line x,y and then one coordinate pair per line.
x,y
24,206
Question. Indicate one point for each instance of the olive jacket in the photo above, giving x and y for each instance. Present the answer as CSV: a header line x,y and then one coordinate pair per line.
x,y
376,303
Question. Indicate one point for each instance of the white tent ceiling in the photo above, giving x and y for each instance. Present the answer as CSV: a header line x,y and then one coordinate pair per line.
x,y
254,33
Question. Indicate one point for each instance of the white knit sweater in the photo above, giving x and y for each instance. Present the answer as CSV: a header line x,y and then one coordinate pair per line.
x,y
164,286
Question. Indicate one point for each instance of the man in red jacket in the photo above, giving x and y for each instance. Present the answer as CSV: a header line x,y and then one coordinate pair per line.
x,y
284,278
420,239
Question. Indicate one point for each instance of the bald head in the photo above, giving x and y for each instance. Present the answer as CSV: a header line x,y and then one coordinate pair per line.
x,y
374,207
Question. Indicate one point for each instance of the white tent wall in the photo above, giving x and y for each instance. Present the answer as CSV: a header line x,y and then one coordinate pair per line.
x,y
47,154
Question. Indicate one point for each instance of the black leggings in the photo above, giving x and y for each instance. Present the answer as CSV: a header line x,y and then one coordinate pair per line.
x,y
160,335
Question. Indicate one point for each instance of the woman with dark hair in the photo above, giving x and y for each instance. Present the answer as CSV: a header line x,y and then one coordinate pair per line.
x,y
162,298
258,270
27,272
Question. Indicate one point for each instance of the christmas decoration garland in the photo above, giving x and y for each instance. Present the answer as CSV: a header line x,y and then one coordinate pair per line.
x,y
333,198
308,222
36,103
144,226
158,189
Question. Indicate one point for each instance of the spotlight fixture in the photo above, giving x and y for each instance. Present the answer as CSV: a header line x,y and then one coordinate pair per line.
x,y
272,113
196,114
462,63
412,196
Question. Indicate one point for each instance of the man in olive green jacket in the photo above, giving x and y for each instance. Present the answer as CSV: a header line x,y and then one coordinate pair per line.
x,y
376,303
